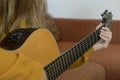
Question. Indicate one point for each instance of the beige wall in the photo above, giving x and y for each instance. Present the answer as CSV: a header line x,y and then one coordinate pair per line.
x,y
83,8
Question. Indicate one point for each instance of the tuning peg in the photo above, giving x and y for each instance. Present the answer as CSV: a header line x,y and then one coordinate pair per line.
x,y
104,12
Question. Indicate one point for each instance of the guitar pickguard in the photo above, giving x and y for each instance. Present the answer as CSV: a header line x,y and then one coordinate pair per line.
x,y
16,38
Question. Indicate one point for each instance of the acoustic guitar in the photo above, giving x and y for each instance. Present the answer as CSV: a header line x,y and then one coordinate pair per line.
x,y
40,42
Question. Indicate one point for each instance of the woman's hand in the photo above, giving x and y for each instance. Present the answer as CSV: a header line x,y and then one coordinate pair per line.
x,y
106,36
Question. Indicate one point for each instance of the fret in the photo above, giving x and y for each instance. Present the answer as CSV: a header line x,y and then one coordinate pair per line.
x,y
97,37
97,33
57,68
71,55
68,58
58,71
74,53
63,66
92,40
80,49
84,44
67,61
84,48
88,42
94,37
49,75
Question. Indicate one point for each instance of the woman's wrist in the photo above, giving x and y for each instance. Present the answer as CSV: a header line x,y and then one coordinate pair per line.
x,y
98,46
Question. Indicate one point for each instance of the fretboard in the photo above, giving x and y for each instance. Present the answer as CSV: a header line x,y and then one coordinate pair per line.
x,y
62,63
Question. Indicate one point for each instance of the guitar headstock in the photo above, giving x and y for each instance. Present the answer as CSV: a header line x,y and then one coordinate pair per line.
x,y
107,19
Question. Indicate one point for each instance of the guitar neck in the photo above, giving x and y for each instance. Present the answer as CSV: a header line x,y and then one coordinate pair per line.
x,y
62,63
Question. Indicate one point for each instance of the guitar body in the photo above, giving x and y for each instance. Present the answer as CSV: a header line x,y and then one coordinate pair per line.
x,y
40,46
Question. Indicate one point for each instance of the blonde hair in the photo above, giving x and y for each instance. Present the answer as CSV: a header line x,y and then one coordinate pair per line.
x,y
12,12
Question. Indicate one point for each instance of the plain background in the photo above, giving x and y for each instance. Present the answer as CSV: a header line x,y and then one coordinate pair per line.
x,y
83,9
